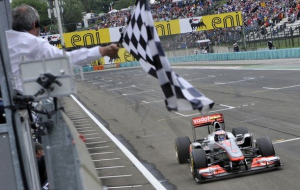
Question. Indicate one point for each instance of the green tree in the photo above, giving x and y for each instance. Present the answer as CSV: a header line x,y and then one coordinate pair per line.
x,y
86,5
100,6
121,4
39,5
72,14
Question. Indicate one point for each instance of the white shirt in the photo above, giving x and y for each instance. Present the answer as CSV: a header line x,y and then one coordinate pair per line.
x,y
23,44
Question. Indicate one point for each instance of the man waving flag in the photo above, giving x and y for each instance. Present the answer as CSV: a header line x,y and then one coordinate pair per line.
x,y
141,40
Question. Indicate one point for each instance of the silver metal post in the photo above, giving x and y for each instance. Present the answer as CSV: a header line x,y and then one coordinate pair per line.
x,y
57,9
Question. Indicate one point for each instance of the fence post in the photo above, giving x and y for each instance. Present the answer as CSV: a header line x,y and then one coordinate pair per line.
x,y
244,36
284,38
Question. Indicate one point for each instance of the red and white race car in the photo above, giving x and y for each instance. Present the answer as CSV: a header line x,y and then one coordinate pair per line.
x,y
223,153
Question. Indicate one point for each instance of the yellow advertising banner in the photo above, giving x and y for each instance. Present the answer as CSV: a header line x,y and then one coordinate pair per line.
x,y
164,28
85,38
225,20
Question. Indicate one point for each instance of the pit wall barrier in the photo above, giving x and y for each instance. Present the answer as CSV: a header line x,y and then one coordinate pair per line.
x,y
245,55
96,68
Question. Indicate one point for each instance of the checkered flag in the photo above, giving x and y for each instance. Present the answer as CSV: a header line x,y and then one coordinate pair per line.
x,y
141,40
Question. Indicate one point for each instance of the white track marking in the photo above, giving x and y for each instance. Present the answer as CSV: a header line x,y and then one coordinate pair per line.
x,y
96,142
89,133
114,176
153,101
105,85
80,131
73,113
156,184
228,108
138,93
84,121
75,118
82,124
180,114
124,187
93,138
283,141
72,109
102,153
202,78
245,79
106,159
269,88
138,74
109,167
99,147
83,128
132,86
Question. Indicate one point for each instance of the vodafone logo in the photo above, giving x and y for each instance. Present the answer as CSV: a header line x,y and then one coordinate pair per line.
x,y
204,120
201,120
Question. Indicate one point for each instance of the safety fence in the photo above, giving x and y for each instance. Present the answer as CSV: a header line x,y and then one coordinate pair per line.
x,y
245,55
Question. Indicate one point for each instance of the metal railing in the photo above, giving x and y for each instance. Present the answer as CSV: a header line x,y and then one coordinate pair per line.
x,y
69,166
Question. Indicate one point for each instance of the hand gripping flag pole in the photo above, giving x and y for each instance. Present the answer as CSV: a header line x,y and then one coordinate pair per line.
x,y
141,40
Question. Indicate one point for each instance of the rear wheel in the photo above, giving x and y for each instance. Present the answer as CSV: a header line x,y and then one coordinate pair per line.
x,y
265,146
182,145
198,161
239,130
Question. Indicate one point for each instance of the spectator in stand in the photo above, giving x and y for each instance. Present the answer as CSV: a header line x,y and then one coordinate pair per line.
x,y
257,15
163,11
236,47
270,44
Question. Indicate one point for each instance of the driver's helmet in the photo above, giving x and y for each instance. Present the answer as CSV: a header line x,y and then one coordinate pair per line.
x,y
220,135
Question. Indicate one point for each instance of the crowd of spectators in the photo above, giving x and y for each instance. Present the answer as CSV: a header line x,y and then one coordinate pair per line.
x,y
257,15
164,10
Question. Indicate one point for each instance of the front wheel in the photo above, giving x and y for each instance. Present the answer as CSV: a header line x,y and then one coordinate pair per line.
x,y
265,146
198,161
182,145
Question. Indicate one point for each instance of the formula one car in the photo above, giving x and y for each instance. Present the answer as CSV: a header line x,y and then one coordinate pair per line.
x,y
223,153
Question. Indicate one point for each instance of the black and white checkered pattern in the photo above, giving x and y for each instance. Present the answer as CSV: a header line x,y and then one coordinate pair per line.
x,y
141,40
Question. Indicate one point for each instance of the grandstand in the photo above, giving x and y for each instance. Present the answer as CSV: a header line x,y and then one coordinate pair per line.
x,y
271,20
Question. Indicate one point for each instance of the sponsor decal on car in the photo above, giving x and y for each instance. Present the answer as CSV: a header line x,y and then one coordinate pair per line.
x,y
206,120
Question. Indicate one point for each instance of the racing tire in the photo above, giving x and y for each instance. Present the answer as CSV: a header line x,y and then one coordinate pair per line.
x,y
198,160
239,130
265,146
182,145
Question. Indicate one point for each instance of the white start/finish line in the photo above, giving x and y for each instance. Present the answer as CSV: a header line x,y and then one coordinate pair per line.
x,y
155,183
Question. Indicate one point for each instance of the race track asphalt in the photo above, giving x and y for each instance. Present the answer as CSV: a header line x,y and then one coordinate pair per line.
x,y
263,96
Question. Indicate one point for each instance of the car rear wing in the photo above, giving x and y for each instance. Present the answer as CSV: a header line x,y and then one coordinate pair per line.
x,y
207,120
